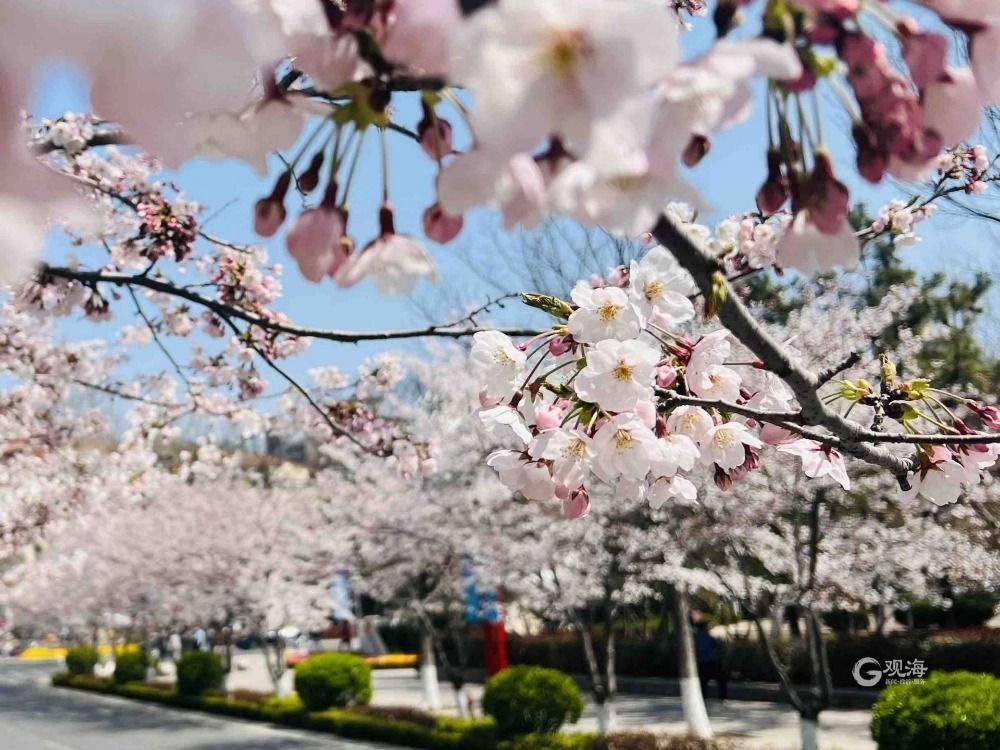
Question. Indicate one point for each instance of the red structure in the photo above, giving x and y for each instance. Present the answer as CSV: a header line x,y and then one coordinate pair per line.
x,y
495,646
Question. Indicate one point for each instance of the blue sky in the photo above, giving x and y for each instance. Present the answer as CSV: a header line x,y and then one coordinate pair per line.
x,y
728,178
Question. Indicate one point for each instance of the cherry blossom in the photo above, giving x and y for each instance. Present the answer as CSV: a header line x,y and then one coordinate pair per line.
x,y
618,374
497,362
603,313
819,460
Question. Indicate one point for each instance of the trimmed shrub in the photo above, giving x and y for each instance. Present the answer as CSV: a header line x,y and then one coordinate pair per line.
x,y
198,671
333,680
81,660
397,713
957,710
130,666
523,700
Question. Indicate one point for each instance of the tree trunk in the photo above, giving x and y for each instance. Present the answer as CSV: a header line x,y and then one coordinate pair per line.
x,y
428,674
598,685
692,701
808,733
777,614
607,718
463,701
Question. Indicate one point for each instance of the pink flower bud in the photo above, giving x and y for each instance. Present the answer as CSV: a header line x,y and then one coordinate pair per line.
x,y
827,197
696,150
990,415
722,480
560,345
314,240
666,375
269,213
435,136
439,226
774,192
309,179
577,505
268,216
618,276
548,417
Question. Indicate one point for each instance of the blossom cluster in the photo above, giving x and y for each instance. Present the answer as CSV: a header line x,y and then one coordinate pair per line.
x,y
579,107
615,395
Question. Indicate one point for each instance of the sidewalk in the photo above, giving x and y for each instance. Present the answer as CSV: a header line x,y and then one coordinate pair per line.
x,y
758,724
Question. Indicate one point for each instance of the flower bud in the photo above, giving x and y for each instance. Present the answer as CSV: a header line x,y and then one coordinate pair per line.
x,y
696,150
269,213
268,216
309,179
560,345
774,192
990,415
439,226
666,375
577,505
435,134
547,303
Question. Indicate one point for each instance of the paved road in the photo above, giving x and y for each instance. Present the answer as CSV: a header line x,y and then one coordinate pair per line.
x,y
36,716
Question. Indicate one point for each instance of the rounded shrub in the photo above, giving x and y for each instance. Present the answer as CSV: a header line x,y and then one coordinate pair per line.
x,y
130,666
198,671
328,680
82,660
956,710
526,699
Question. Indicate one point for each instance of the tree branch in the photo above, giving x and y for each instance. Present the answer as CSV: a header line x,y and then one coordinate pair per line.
x,y
708,273
796,422
223,309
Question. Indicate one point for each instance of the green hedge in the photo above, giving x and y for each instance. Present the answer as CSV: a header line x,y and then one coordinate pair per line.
x,y
198,671
81,660
391,726
333,680
130,665
445,734
532,699
958,711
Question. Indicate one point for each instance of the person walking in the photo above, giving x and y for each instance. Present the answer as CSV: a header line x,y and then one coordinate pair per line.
x,y
709,652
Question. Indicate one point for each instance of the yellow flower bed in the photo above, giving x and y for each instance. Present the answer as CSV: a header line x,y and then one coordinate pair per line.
x,y
389,661
59,652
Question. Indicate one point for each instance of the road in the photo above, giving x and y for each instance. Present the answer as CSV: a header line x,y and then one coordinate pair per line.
x,y
36,716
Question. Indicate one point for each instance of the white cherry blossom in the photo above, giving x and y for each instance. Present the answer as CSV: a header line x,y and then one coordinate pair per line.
x,y
570,452
603,313
725,445
624,447
497,363
691,421
559,65
618,374
706,376
530,478
819,461
661,289
665,488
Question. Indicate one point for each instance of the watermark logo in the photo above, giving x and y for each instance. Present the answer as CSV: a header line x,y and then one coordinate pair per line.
x,y
868,672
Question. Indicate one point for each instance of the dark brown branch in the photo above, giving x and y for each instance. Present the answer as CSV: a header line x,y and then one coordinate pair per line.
x,y
708,272
223,309
796,422
334,426
825,376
